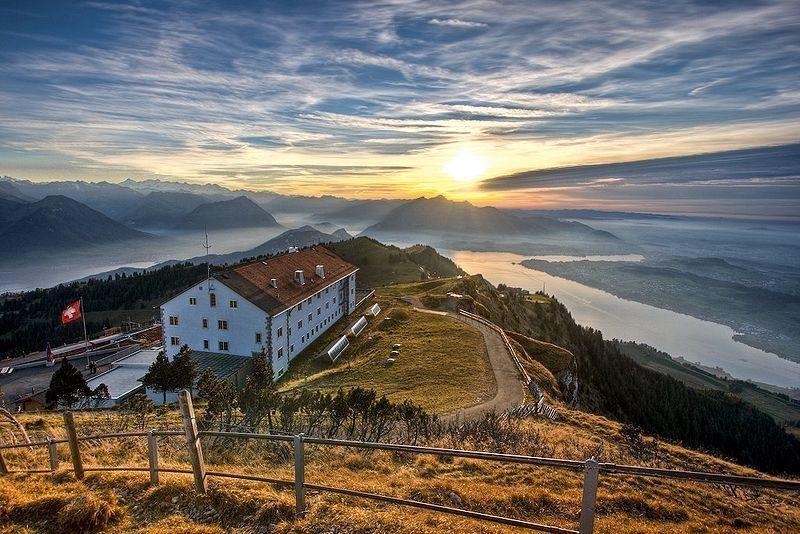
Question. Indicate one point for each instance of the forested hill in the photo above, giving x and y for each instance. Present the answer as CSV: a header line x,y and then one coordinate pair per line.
x,y
612,384
28,321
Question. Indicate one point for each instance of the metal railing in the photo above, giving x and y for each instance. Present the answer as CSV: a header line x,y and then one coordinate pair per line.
x,y
591,468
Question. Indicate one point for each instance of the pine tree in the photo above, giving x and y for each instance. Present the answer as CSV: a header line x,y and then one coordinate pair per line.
x,y
159,375
260,393
183,370
67,386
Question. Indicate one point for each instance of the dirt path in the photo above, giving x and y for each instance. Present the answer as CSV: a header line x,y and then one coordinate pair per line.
x,y
510,390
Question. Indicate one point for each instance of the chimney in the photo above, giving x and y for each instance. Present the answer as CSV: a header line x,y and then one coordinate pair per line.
x,y
321,271
299,277
273,282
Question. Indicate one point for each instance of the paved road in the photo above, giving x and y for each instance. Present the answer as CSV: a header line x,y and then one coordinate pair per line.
x,y
510,390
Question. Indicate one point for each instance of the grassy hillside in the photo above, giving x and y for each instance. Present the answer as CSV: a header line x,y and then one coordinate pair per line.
x,y
442,364
124,502
614,385
386,264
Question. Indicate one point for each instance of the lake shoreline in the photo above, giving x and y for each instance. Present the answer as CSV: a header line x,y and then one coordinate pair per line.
x,y
696,340
668,297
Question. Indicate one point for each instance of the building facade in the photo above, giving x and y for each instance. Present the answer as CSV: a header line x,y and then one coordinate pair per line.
x,y
279,305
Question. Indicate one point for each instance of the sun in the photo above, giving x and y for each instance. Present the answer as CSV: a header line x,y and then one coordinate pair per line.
x,y
466,166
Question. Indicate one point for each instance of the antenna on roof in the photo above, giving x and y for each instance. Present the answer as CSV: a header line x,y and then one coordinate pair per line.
x,y
207,247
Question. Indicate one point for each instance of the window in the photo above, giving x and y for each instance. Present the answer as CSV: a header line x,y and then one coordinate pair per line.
x,y
173,320
309,300
212,299
193,301
327,305
174,341
319,311
289,331
326,290
258,337
205,322
233,304
223,345
280,332
291,349
319,295
309,317
280,352
222,325
334,300
299,324
300,306
205,344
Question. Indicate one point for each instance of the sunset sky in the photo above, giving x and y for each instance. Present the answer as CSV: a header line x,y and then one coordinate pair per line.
x,y
401,99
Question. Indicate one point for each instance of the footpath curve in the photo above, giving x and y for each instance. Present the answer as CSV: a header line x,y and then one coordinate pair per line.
x,y
510,389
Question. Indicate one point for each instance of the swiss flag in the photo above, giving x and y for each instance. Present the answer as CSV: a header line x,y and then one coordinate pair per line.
x,y
71,312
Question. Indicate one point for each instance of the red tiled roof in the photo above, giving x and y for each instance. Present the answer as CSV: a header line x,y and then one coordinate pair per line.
x,y
252,280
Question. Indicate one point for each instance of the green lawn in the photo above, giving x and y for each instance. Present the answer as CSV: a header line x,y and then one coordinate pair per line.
x,y
442,364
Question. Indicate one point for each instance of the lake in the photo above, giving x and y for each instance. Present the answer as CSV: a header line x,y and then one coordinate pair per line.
x,y
705,342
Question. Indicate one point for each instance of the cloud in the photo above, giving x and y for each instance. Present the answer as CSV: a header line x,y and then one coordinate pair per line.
x,y
176,90
457,23
706,86
757,166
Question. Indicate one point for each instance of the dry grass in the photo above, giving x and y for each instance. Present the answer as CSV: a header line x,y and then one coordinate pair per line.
x,y
126,503
442,365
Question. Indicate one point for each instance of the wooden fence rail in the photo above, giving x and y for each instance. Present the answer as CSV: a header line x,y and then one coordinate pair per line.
x,y
591,468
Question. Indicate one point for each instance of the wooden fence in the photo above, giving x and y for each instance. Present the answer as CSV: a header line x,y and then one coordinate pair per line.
x,y
590,468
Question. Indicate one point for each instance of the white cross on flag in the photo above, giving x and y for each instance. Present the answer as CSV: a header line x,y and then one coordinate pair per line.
x,y
71,312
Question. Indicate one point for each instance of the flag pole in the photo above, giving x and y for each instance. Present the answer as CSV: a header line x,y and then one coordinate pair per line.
x,y
85,335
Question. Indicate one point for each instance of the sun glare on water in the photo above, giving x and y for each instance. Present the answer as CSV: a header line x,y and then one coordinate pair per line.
x,y
466,166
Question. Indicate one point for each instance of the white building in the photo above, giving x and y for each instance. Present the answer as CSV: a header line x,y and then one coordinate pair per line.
x,y
279,305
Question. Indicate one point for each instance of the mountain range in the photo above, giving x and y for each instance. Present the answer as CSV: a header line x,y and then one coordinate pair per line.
x,y
164,207
239,212
362,210
56,223
438,214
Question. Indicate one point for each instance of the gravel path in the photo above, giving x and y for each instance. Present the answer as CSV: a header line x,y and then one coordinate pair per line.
x,y
510,390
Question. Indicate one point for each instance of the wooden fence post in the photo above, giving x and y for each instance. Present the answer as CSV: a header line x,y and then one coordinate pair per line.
x,y
152,449
591,475
193,442
299,474
74,450
53,453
